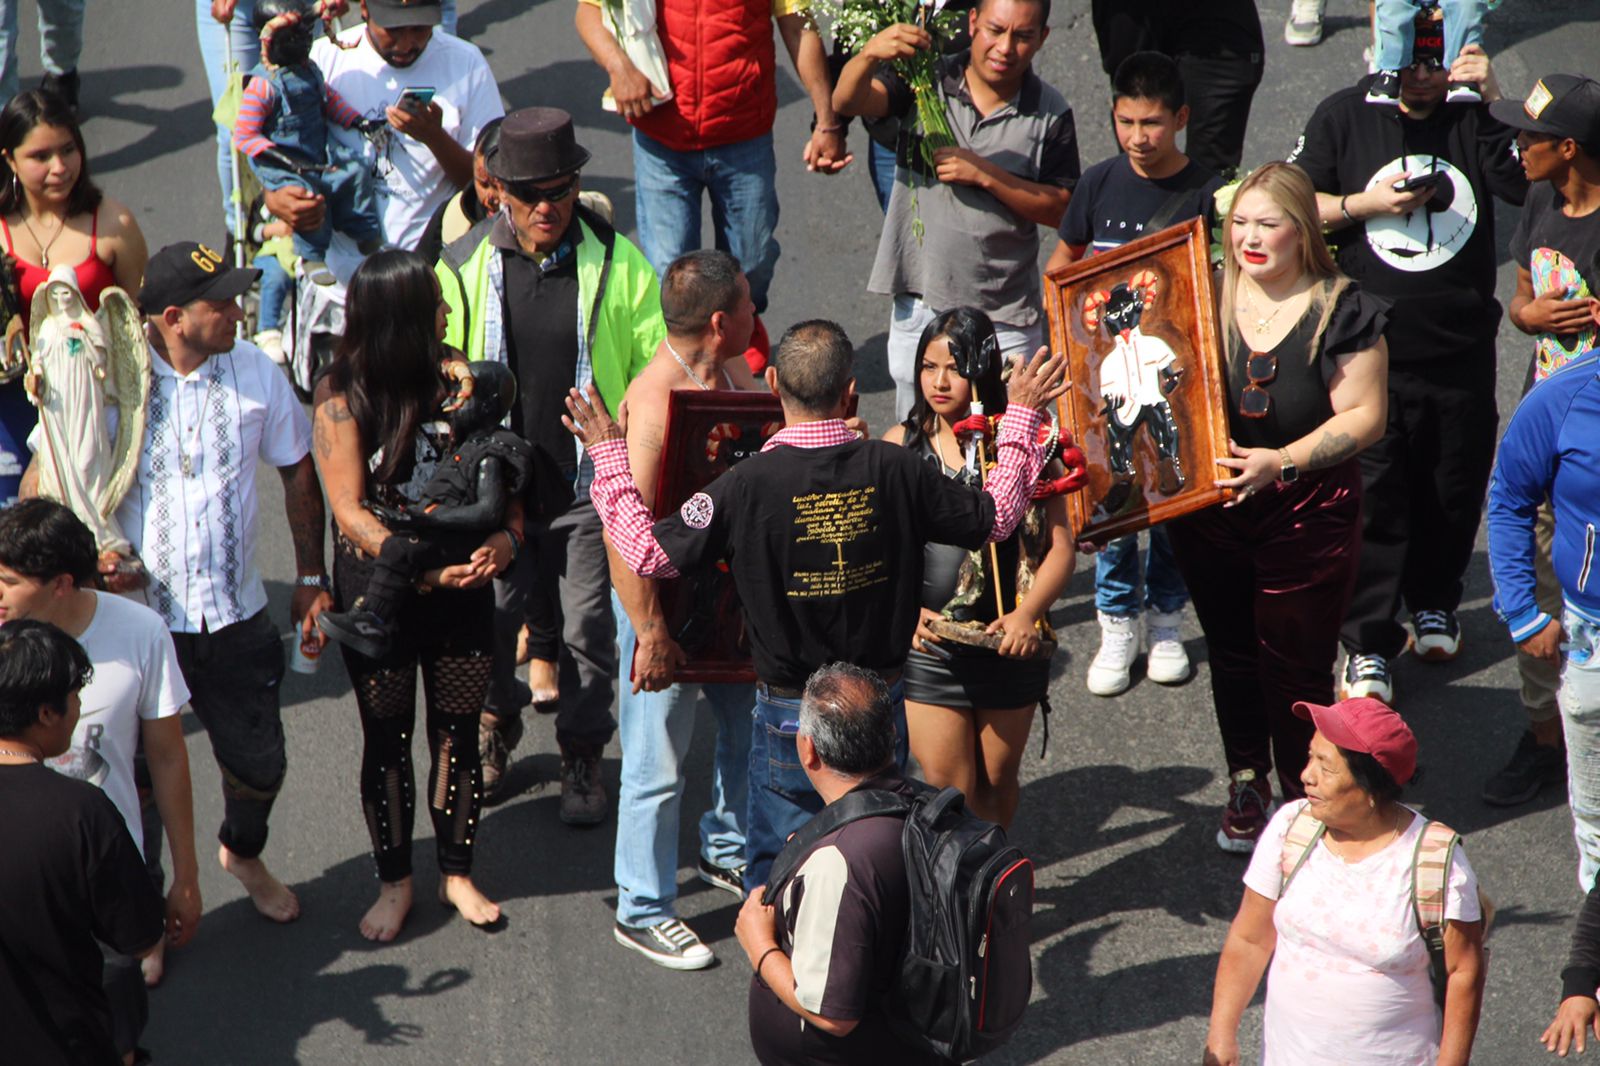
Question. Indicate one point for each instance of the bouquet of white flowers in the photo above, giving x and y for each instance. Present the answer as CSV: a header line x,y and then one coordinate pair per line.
x,y
855,22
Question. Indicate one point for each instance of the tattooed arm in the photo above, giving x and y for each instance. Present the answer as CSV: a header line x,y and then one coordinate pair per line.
x,y
1359,390
336,441
302,500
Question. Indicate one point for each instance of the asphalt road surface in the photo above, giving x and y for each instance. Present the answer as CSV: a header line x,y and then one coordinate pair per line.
x,y
1119,813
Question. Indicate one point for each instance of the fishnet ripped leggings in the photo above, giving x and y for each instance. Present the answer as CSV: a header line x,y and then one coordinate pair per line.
x,y
454,682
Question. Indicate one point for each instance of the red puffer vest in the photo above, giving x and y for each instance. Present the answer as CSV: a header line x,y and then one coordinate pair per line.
x,y
721,60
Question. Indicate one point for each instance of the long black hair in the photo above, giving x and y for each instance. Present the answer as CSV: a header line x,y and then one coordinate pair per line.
x,y
387,362
27,111
970,334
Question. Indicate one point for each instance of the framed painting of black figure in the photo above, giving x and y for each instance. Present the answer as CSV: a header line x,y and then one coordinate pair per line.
x,y
1145,397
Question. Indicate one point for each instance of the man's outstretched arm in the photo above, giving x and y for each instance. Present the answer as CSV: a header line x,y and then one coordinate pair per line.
x,y
616,498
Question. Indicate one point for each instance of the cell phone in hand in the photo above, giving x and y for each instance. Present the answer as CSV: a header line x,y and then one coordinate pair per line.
x,y
1419,182
415,99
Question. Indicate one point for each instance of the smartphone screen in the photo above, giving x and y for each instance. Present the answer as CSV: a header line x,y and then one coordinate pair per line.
x,y
415,98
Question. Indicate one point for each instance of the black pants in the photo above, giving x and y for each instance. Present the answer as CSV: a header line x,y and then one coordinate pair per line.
x,y
233,676
1269,579
448,635
1423,487
1219,85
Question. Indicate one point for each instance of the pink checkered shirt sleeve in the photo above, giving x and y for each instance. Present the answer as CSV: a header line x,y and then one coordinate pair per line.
x,y
1019,459
622,510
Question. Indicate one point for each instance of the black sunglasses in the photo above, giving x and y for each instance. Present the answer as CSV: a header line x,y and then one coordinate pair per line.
x,y
1255,401
529,193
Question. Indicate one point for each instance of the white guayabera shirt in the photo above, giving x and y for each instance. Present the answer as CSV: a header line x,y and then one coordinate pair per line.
x,y
193,514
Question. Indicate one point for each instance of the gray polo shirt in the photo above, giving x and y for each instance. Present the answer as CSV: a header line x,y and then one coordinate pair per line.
x,y
975,251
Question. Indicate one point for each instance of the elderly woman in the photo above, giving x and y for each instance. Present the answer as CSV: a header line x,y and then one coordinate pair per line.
x,y
1270,573
1329,900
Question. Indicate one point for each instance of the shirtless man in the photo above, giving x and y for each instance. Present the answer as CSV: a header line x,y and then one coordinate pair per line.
x,y
706,302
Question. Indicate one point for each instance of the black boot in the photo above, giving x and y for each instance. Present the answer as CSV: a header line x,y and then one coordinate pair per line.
x,y
64,86
359,629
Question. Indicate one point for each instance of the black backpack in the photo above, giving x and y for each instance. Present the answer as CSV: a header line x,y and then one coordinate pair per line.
x,y
967,974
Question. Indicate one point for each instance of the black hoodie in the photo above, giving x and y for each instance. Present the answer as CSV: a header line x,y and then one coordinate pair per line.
x,y
1437,265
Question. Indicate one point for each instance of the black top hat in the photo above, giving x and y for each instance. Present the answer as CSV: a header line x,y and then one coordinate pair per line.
x,y
536,144
1560,105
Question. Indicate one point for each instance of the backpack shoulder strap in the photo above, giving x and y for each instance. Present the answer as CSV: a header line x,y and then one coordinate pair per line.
x,y
853,807
1430,873
1303,834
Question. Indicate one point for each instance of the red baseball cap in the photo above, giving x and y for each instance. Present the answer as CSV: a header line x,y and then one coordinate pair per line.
x,y
1367,725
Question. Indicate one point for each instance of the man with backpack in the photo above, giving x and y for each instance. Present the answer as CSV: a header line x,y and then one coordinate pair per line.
x,y
855,954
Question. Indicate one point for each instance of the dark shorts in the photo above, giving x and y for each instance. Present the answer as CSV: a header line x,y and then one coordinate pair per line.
x,y
975,678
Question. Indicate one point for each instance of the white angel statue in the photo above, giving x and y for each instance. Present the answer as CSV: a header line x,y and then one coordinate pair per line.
x,y
77,364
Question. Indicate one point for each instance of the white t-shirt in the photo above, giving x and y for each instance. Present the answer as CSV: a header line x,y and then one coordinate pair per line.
x,y
1349,979
410,183
136,679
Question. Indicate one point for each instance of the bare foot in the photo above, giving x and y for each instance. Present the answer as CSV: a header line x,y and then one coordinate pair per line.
x,y
544,683
464,896
154,965
382,923
272,897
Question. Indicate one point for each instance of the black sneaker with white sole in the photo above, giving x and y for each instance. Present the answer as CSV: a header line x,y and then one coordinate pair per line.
x,y
1436,635
1367,675
727,878
671,944
1385,89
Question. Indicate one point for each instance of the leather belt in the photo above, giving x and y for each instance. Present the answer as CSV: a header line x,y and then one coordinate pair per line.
x,y
779,692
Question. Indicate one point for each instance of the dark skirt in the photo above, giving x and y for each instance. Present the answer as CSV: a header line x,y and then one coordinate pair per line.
x,y
975,678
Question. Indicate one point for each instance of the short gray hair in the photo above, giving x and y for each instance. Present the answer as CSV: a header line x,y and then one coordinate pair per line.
x,y
848,714
815,362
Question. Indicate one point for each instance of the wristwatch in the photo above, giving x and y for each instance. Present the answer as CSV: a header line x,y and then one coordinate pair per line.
x,y
1288,472
314,581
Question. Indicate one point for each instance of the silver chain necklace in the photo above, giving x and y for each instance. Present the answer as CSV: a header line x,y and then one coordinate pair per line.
x,y
689,370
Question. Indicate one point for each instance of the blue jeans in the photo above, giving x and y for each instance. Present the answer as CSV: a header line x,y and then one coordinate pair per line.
x,y
1125,584
60,40
781,797
655,729
669,188
276,289
1579,697
352,203
1463,25
880,164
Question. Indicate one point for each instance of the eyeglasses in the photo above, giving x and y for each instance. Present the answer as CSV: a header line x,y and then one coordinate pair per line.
x,y
533,195
1255,401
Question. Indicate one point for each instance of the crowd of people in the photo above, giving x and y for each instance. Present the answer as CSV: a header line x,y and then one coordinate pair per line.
x,y
488,434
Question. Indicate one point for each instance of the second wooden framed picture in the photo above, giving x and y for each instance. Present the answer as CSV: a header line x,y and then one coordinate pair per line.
x,y
1145,394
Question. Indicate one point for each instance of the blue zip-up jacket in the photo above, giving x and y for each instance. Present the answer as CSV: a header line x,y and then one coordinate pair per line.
x,y
1551,450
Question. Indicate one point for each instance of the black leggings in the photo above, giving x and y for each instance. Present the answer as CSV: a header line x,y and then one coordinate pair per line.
x,y
447,634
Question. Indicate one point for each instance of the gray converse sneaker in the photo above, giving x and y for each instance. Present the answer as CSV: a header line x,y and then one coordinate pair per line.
x,y
727,878
671,944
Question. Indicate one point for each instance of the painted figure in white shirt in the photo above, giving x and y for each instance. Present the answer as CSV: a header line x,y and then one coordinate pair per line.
x,y
1136,378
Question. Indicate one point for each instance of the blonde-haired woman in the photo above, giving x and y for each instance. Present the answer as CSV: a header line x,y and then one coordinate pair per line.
x,y
1271,572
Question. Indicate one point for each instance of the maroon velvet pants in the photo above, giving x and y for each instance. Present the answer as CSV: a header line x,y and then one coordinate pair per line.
x,y
1270,579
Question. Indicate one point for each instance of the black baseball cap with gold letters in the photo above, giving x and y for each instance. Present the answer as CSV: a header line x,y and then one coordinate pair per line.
x,y
182,273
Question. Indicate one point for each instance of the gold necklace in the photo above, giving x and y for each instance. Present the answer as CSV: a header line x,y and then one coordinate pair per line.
x,y
44,249
1264,324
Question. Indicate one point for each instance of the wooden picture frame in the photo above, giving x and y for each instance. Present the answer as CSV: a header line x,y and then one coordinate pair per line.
x,y
1152,456
706,434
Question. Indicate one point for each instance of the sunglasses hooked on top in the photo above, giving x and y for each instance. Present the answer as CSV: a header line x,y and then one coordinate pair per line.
x,y
1255,401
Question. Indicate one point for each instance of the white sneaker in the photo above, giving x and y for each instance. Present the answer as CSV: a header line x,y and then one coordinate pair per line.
x,y
1121,640
1168,663
1305,22
271,342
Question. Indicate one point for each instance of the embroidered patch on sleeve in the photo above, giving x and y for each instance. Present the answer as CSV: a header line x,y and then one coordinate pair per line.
x,y
696,511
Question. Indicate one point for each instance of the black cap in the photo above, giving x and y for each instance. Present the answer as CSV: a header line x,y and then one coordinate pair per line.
x,y
398,14
1560,105
182,273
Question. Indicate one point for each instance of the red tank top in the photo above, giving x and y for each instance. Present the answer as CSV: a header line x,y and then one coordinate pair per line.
x,y
94,274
